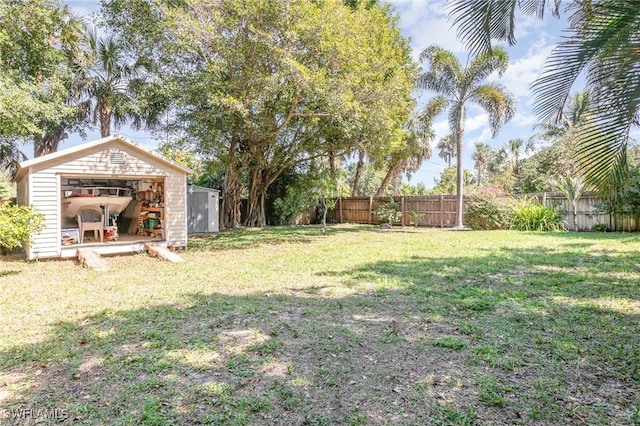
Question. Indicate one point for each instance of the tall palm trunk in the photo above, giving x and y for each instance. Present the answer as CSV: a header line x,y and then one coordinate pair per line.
x,y
105,121
459,176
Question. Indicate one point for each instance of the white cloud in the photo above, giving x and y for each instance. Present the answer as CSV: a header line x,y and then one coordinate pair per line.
x,y
427,23
522,119
523,71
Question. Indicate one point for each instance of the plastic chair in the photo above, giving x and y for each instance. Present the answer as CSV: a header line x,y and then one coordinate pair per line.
x,y
91,220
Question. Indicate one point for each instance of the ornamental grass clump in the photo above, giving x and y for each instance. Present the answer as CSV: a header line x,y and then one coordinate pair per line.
x,y
528,215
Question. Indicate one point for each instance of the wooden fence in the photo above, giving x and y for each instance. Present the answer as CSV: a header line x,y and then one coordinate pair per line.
x,y
440,211
589,212
434,210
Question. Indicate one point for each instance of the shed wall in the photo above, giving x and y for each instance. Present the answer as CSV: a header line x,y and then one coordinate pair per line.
x,y
22,192
175,203
116,160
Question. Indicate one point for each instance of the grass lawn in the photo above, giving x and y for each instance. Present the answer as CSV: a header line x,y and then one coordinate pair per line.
x,y
284,326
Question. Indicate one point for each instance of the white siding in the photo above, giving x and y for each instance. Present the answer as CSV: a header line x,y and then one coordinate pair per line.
x,y
98,164
43,195
175,214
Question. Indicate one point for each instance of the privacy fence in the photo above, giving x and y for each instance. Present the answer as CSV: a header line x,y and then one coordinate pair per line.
x,y
440,211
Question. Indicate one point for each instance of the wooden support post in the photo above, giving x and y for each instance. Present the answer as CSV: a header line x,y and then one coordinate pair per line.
x,y
402,210
442,211
370,209
340,202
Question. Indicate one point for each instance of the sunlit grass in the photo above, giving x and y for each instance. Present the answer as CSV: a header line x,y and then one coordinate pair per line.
x,y
283,325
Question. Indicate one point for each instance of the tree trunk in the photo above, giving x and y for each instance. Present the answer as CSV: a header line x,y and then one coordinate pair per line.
x,y
323,200
231,199
332,162
385,182
258,186
459,176
48,142
105,121
358,174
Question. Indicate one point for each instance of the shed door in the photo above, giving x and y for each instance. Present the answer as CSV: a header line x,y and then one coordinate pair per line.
x,y
198,206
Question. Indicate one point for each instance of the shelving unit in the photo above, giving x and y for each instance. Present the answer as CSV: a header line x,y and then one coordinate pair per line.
x,y
151,217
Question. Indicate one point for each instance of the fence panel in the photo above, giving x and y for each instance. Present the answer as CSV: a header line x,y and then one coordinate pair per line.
x,y
440,211
436,210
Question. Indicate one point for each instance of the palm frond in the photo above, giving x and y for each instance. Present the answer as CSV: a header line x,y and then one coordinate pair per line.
x,y
604,42
432,109
443,70
484,64
479,22
498,102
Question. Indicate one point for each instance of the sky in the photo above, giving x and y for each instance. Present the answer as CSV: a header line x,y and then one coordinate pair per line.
x,y
426,22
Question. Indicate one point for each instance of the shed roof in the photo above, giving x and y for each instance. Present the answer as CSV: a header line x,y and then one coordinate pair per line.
x,y
109,140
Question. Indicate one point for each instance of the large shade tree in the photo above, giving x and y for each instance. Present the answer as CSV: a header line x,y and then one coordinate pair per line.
x,y
263,86
39,43
601,42
456,87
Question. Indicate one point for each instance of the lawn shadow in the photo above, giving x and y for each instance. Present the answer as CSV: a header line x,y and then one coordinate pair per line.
x,y
433,341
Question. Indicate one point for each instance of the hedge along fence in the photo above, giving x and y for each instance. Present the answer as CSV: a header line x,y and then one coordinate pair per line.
x,y
440,211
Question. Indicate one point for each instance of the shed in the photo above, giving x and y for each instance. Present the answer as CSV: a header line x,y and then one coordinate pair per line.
x,y
203,210
140,197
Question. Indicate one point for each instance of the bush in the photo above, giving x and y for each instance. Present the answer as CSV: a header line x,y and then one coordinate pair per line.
x,y
17,224
489,209
528,215
388,213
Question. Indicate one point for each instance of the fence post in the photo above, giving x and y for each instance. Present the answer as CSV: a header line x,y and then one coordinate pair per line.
x,y
402,208
441,211
370,209
340,203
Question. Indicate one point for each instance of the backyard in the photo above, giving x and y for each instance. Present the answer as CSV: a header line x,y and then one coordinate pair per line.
x,y
362,326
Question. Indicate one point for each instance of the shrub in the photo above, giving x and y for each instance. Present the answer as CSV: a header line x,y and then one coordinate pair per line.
x,y
488,209
528,215
388,213
17,224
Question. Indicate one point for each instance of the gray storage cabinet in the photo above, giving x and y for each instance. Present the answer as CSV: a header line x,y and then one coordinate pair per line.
x,y
203,211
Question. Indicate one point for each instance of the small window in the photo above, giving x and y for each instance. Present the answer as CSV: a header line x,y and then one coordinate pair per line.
x,y
116,158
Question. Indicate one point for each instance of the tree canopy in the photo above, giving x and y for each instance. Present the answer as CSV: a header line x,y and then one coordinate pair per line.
x,y
37,40
261,86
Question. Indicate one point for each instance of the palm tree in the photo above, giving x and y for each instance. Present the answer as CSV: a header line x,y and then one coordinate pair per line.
x,y
109,78
447,149
601,43
10,156
456,87
482,156
514,151
417,148
571,187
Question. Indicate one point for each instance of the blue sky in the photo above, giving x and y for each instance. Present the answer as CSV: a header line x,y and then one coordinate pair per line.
x,y
426,22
